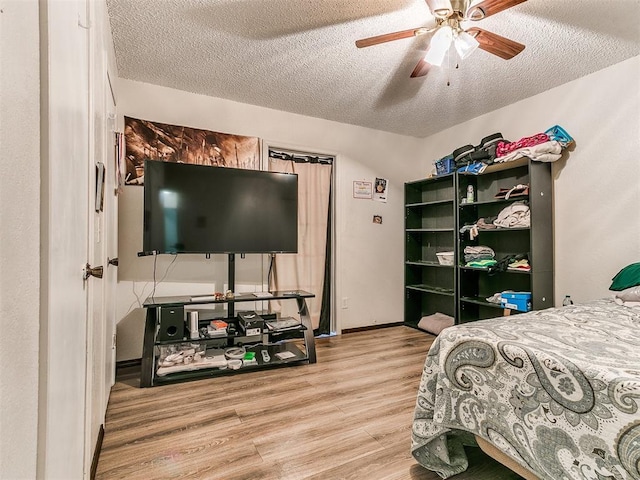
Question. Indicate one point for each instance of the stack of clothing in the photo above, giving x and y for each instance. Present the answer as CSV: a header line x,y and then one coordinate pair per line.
x,y
479,256
484,223
521,264
515,215
541,147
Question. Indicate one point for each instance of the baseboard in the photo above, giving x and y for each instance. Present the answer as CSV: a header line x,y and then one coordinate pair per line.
x,y
134,362
96,453
371,327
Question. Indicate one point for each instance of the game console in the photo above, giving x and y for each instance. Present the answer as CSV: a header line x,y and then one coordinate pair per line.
x,y
250,323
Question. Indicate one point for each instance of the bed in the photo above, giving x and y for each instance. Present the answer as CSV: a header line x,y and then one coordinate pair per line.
x,y
555,391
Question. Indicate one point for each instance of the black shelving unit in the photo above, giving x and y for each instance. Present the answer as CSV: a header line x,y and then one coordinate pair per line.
x,y
477,284
434,214
430,228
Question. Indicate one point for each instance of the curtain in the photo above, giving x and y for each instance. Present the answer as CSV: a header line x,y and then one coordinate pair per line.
x,y
306,269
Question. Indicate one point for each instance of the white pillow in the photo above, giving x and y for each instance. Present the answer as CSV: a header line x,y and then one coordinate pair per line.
x,y
630,294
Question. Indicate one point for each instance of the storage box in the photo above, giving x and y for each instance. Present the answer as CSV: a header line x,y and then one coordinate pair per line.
x,y
250,323
520,301
445,165
445,258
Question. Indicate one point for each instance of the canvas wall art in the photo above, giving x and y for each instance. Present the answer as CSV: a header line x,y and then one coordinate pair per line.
x,y
147,140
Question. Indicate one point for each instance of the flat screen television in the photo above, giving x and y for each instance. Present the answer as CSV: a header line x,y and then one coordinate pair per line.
x,y
201,209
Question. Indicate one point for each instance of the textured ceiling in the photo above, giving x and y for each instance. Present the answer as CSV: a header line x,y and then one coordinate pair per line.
x,y
299,55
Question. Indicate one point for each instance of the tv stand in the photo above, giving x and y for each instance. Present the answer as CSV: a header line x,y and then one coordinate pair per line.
x,y
291,346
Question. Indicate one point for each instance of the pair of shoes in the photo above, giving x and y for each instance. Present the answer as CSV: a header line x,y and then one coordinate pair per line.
x,y
516,191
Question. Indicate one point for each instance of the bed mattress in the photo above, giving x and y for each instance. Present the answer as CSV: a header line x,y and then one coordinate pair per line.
x,y
557,390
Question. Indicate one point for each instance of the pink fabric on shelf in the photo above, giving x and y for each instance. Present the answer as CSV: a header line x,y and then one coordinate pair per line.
x,y
504,148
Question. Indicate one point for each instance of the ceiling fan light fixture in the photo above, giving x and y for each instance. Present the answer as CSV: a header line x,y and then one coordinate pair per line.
x,y
465,44
440,8
475,14
440,44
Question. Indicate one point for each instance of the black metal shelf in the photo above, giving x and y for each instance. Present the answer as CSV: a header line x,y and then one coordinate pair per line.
x,y
426,204
260,364
484,269
432,289
480,301
495,201
419,263
290,331
278,340
503,229
153,301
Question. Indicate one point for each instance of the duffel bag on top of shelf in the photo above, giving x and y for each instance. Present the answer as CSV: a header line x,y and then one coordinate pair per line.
x,y
485,152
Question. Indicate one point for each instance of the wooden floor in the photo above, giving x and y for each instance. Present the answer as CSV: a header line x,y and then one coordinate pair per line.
x,y
346,417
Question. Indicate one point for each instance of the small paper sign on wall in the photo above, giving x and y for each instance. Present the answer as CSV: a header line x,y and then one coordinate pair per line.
x,y
362,189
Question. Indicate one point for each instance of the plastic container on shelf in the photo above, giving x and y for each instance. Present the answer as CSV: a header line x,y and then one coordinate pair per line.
x,y
445,258
470,194
445,165
520,301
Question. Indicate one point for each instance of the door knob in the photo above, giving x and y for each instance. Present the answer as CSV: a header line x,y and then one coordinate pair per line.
x,y
112,261
90,271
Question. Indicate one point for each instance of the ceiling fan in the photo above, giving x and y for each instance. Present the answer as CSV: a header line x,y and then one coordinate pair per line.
x,y
448,32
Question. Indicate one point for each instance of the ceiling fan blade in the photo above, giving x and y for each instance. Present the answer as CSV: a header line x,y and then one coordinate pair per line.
x,y
490,7
422,68
389,37
495,44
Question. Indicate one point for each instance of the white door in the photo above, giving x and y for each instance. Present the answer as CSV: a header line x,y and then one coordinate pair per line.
x,y
101,223
65,186
75,337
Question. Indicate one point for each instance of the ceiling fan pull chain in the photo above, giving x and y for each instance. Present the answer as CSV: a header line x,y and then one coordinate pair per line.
x,y
450,61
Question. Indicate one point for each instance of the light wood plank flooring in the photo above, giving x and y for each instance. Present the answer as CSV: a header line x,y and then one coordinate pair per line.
x,y
346,417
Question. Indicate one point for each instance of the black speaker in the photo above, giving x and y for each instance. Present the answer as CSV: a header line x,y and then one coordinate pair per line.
x,y
171,323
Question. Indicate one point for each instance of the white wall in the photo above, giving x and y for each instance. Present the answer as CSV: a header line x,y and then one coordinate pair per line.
x,y
20,237
369,268
597,188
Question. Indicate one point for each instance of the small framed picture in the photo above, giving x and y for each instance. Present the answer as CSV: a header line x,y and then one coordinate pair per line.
x,y
380,193
362,189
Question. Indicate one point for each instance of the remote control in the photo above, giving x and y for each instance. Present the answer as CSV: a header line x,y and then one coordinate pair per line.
x,y
265,356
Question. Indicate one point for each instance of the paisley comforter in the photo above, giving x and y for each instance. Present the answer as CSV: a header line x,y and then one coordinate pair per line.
x,y
558,390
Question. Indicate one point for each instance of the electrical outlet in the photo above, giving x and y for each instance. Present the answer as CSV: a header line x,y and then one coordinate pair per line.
x,y
345,302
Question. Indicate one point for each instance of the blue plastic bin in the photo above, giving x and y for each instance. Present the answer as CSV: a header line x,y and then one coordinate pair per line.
x,y
520,301
445,165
